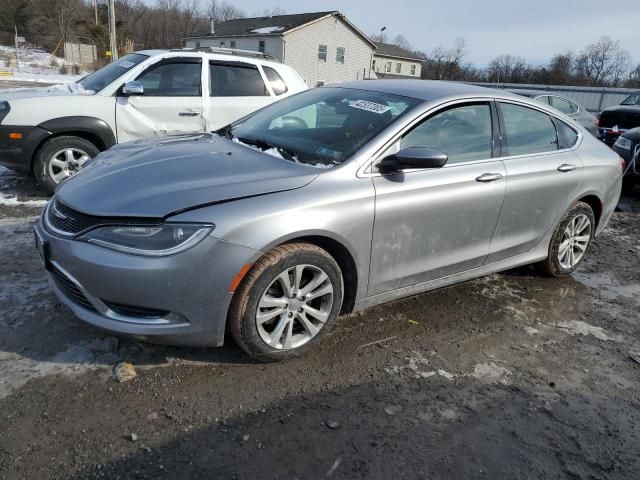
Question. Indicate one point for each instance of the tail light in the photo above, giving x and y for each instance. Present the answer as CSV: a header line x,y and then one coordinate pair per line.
x,y
623,163
596,120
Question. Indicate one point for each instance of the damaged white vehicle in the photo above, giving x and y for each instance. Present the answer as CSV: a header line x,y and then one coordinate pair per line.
x,y
53,131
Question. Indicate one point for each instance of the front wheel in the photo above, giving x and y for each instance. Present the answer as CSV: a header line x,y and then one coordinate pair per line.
x,y
287,302
570,241
60,158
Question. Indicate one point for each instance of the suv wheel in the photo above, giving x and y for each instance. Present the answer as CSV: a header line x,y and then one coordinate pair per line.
x,y
60,158
570,241
287,302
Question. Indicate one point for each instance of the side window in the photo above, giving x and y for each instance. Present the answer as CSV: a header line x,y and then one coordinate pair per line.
x,y
236,80
261,46
340,55
322,53
464,133
543,99
527,130
565,106
567,136
175,79
275,81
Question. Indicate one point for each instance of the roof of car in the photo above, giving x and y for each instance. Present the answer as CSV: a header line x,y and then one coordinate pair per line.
x,y
426,90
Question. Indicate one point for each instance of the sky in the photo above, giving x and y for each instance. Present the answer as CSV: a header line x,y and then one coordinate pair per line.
x,y
535,30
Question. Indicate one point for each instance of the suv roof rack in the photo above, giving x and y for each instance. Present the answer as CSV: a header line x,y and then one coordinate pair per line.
x,y
228,51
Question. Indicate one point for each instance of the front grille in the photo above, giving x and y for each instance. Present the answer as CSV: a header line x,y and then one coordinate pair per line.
x,y
70,289
70,221
624,120
136,312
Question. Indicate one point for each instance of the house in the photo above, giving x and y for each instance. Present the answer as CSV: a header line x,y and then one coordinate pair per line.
x,y
323,47
391,61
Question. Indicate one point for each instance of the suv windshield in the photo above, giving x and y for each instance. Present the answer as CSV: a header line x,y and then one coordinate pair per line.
x,y
99,79
321,127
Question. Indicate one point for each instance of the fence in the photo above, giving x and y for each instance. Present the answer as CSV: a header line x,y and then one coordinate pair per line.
x,y
594,99
80,54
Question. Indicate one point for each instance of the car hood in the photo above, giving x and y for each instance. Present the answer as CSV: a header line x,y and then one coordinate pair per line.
x,y
66,89
157,178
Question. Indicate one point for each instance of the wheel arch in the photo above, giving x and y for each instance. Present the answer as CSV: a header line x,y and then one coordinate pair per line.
x,y
94,130
595,203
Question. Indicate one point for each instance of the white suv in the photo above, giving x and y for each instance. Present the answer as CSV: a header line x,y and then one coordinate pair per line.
x,y
52,131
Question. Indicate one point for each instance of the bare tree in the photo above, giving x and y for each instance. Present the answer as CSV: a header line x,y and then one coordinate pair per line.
x,y
603,62
561,69
223,11
402,42
633,81
379,37
445,63
508,69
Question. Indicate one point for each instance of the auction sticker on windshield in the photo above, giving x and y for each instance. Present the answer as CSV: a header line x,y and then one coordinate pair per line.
x,y
368,106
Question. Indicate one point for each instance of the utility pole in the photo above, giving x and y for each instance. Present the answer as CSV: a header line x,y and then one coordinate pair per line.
x,y
16,40
112,30
95,9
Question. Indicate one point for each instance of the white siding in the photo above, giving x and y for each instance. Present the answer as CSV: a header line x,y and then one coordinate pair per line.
x,y
301,52
273,45
405,67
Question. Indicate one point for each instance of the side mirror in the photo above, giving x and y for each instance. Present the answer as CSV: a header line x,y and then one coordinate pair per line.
x,y
133,88
413,157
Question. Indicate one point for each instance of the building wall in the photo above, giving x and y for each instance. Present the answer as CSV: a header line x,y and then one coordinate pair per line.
x,y
301,52
272,44
405,66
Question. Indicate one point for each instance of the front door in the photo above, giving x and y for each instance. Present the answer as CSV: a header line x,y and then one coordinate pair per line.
x,y
432,223
543,176
235,90
172,102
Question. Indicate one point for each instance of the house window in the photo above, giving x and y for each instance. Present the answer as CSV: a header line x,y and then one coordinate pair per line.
x,y
197,44
398,67
222,44
233,44
413,69
340,55
322,53
387,67
261,46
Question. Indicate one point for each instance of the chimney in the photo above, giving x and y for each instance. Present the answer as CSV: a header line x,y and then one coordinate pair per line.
x,y
212,26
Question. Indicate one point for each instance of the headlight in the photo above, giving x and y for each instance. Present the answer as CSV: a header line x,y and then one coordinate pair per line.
x,y
148,240
4,110
623,143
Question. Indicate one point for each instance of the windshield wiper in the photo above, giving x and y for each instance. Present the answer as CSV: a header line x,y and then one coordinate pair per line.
x,y
264,145
225,132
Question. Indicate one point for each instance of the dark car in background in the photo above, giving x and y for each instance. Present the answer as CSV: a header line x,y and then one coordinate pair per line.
x,y
569,107
616,120
628,147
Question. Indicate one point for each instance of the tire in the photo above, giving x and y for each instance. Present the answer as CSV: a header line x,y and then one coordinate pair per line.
x,y
51,158
262,292
560,263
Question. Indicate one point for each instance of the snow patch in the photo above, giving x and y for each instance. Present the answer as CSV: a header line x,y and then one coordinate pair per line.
x,y
491,372
267,30
576,327
12,201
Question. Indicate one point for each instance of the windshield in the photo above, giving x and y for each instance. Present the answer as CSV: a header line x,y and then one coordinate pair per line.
x,y
321,127
99,79
632,100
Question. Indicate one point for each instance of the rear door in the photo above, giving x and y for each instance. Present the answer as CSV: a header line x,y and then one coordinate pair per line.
x,y
430,223
235,90
172,102
543,176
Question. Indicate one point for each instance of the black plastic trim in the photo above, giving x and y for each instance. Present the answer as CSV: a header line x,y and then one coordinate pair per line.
x,y
96,127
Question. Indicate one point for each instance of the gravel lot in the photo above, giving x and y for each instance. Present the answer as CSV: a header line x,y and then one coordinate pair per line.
x,y
510,376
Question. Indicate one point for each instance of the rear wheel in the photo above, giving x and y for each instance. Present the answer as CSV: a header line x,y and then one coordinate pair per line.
x,y
570,241
60,158
287,302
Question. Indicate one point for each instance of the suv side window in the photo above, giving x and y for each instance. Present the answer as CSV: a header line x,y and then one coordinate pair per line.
x,y
175,78
527,131
462,132
236,79
275,80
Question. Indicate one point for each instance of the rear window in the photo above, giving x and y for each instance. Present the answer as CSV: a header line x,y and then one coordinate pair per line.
x,y
236,80
275,81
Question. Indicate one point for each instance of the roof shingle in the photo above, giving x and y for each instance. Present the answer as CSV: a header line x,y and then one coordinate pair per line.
x,y
388,50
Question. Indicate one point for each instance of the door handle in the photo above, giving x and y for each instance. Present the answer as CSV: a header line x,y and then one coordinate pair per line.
x,y
489,177
565,167
189,114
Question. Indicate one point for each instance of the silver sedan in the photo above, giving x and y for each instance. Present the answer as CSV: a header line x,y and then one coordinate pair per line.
x,y
327,202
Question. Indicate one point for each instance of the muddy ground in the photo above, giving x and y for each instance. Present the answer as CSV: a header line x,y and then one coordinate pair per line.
x,y
510,376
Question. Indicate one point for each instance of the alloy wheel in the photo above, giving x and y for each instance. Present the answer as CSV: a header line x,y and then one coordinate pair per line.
x,y
575,240
66,163
294,307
